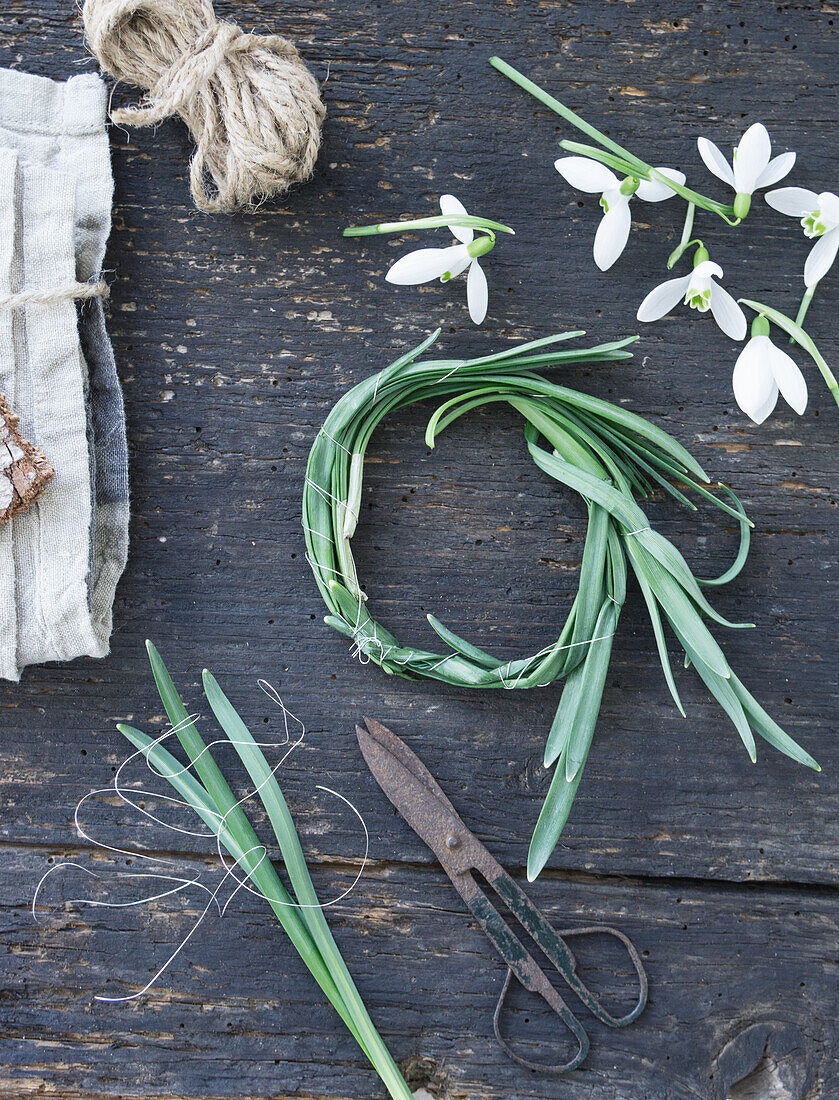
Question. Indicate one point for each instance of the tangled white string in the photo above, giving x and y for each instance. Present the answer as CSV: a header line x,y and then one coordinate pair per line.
x,y
177,884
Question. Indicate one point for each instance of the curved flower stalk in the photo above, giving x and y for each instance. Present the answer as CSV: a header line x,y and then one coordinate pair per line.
x,y
799,336
752,165
424,264
615,194
819,217
762,371
610,153
699,291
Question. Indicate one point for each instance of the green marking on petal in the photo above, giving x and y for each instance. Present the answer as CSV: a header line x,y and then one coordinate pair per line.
x,y
698,299
813,225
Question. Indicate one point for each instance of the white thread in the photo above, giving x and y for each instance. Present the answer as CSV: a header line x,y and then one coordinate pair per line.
x,y
454,369
319,565
361,639
184,883
639,531
376,387
175,953
546,650
501,675
442,661
229,869
320,534
335,441
328,497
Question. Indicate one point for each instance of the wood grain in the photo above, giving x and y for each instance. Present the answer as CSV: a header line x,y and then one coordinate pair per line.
x,y
234,338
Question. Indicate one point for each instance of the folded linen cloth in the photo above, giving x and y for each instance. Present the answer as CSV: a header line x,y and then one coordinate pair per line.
x,y
60,560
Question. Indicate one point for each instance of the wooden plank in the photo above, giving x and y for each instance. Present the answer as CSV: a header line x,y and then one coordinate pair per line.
x,y
237,1015
235,336
277,316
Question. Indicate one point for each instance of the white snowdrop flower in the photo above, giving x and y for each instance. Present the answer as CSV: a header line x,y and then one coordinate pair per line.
x,y
819,215
425,264
752,165
699,291
762,371
613,232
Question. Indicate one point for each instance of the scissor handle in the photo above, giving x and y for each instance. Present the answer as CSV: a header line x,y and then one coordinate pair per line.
x,y
527,971
553,944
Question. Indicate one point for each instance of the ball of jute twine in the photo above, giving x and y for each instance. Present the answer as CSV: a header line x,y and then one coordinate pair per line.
x,y
252,106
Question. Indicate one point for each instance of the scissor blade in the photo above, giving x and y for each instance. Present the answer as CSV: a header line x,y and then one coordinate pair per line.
x,y
408,784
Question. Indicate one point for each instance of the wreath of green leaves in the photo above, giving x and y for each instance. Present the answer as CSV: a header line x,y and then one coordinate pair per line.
x,y
610,456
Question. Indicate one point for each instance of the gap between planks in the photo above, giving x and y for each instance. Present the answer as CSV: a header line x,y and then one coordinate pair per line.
x,y
349,866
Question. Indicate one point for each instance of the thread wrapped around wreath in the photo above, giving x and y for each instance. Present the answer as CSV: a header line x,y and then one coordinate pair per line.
x,y
252,106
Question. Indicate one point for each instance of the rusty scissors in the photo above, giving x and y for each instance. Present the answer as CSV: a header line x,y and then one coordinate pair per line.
x,y
418,798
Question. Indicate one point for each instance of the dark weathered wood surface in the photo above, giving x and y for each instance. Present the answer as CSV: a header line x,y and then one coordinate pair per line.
x,y
235,336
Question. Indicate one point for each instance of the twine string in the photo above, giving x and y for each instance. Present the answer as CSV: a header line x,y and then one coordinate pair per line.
x,y
251,104
51,295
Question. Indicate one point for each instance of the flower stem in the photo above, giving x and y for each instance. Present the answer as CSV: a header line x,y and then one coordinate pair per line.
x,y
805,305
720,209
636,165
685,242
438,221
618,164
562,110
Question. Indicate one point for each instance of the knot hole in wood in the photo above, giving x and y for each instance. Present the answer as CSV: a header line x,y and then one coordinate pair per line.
x,y
770,1060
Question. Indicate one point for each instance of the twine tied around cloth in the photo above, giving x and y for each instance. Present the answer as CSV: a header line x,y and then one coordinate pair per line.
x,y
50,295
252,106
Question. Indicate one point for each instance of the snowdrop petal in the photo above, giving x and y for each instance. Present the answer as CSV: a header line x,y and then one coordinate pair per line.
x,y
821,257
752,157
706,269
727,313
795,201
425,264
775,170
586,174
714,161
452,207
768,406
663,298
828,205
459,265
612,233
655,190
788,378
759,407
477,294
755,390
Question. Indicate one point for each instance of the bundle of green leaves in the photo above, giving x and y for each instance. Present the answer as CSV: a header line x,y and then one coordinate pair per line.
x,y
298,911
